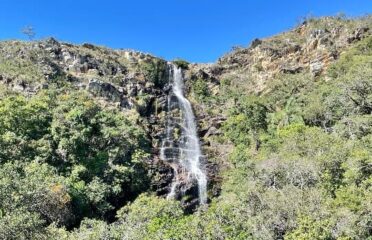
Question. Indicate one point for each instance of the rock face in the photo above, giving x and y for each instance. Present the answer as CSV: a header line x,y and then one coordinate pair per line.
x,y
138,82
103,89
309,48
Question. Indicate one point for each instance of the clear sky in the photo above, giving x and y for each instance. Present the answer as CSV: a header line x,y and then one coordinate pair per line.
x,y
195,30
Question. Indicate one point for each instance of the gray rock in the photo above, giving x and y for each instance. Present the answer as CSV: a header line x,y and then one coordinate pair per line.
x,y
316,67
291,69
255,43
105,90
358,34
212,131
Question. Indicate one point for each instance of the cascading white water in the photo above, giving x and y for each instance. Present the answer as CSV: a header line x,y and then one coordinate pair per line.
x,y
187,150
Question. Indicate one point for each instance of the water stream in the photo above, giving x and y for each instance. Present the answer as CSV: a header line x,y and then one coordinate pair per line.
x,y
181,145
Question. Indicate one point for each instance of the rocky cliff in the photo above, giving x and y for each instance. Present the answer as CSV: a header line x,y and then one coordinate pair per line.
x,y
137,83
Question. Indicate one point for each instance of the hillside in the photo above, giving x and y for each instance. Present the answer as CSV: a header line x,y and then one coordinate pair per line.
x,y
285,128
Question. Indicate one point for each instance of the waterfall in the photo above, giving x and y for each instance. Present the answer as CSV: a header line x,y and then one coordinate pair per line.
x,y
181,145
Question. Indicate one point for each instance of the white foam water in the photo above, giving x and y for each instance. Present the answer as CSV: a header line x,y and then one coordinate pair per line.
x,y
188,151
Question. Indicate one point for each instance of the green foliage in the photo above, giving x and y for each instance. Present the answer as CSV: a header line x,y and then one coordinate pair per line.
x,y
101,143
22,224
310,178
63,158
20,69
299,165
180,63
348,93
312,168
246,120
24,127
31,196
155,71
200,89
149,216
309,228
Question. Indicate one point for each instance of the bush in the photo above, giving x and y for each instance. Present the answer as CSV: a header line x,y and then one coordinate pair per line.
x,y
75,158
246,120
180,63
155,71
200,89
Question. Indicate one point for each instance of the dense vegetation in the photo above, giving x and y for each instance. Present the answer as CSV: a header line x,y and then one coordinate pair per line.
x,y
64,158
300,167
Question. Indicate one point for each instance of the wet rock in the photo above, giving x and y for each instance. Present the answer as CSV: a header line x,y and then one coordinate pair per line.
x,y
162,175
214,178
186,191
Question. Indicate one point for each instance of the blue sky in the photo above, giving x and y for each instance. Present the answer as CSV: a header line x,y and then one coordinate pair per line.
x,y
195,30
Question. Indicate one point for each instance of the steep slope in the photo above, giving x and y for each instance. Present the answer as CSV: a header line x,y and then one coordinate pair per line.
x,y
285,128
307,50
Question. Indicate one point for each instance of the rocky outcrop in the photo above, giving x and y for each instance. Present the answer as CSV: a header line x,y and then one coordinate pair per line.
x,y
106,90
311,47
138,82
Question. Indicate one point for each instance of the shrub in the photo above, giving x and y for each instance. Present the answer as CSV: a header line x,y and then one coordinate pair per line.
x,y
200,89
180,63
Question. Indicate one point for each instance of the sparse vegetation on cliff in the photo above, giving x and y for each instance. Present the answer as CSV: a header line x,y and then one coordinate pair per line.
x,y
286,128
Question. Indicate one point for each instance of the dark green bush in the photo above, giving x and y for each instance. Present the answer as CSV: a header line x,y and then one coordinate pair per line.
x,y
181,63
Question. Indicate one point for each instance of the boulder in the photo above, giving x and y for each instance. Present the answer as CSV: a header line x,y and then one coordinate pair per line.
x,y
255,43
316,67
291,69
105,90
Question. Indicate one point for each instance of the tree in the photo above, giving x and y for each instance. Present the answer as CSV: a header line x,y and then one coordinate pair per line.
x,y
246,120
29,31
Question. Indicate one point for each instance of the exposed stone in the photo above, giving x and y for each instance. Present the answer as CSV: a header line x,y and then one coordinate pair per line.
x,y
51,42
162,176
106,90
316,67
88,45
212,131
132,90
255,43
358,34
291,69
116,79
67,56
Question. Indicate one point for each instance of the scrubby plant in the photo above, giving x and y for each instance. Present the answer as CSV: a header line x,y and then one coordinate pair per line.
x,y
181,63
200,89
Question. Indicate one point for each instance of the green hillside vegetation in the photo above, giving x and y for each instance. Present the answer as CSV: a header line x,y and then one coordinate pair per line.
x,y
300,167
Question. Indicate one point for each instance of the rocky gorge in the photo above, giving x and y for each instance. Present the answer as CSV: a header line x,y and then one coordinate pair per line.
x,y
137,85
138,82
